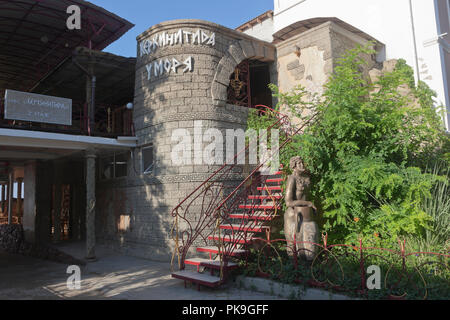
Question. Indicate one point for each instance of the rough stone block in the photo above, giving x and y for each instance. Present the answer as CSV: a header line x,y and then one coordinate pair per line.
x,y
219,91
269,53
236,52
389,65
259,50
184,94
177,102
293,64
225,69
247,49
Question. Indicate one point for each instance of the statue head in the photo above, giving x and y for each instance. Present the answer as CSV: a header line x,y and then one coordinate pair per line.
x,y
297,165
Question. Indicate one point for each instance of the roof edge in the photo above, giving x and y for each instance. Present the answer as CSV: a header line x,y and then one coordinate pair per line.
x,y
259,19
197,23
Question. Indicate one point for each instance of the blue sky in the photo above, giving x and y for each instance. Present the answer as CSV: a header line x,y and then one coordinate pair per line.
x,y
146,13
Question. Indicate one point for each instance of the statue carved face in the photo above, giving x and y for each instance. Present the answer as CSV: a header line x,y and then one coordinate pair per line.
x,y
297,165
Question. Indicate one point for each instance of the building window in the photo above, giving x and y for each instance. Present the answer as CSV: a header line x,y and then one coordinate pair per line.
x,y
147,159
124,223
114,166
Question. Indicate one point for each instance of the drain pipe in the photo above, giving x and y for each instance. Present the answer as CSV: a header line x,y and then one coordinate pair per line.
x,y
414,39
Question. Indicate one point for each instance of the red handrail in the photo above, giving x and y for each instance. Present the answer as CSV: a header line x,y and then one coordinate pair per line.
x,y
226,164
211,202
260,165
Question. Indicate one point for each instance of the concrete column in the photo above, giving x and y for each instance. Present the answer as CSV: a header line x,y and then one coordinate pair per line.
x,y
29,205
3,198
90,205
10,195
44,197
75,211
57,181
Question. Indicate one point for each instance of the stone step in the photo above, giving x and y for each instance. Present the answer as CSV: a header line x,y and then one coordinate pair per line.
x,y
215,264
199,278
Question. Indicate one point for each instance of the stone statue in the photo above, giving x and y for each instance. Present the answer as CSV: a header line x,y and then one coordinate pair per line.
x,y
299,225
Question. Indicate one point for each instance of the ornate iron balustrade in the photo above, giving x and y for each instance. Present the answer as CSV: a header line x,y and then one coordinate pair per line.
x,y
197,218
109,122
405,275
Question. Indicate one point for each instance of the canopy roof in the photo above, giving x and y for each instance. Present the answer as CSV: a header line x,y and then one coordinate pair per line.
x,y
115,78
34,38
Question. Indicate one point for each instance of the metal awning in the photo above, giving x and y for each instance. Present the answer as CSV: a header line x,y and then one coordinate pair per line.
x,y
115,78
34,38
24,144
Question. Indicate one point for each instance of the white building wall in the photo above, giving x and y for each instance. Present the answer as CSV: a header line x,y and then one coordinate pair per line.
x,y
263,30
388,21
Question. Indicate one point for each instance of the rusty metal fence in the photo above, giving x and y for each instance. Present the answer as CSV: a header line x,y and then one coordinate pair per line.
x,y
349,268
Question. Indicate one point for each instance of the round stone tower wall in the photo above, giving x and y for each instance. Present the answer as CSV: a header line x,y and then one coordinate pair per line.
x,y
182,74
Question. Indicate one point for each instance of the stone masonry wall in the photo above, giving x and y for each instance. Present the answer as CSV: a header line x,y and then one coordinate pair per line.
x,y
308,59
188,86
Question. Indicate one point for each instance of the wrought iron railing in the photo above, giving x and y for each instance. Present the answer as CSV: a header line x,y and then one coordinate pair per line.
x,y
109,122
198,216
346,268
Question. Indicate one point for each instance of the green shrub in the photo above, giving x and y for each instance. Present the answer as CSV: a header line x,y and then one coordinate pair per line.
x,y
367,149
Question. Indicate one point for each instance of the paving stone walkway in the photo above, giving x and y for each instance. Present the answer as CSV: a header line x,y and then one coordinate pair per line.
x,y
113,276
117,276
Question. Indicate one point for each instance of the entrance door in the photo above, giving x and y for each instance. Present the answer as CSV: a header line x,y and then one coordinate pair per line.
x,y
62,221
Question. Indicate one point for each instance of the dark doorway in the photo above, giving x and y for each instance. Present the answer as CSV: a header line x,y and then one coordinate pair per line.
x,y
249,84
63,220
259,83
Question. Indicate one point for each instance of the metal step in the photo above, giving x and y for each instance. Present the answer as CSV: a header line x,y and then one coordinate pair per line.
x,y
249,227
265,197
262,217
258,206
215,250
231,239
199,278
271,188
276,180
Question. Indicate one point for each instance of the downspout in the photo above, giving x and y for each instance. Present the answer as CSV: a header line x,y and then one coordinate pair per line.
x,y
414,40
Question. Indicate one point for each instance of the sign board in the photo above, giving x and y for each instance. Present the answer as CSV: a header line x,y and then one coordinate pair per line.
x,y
37,108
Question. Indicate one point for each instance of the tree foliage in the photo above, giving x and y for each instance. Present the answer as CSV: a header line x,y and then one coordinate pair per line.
x,y
368,149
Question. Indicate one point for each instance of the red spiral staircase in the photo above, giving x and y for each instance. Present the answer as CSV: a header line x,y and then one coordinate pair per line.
x,y
217,222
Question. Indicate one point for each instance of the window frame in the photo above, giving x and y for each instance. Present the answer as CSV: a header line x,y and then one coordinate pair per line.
x,y
150,169
114,164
